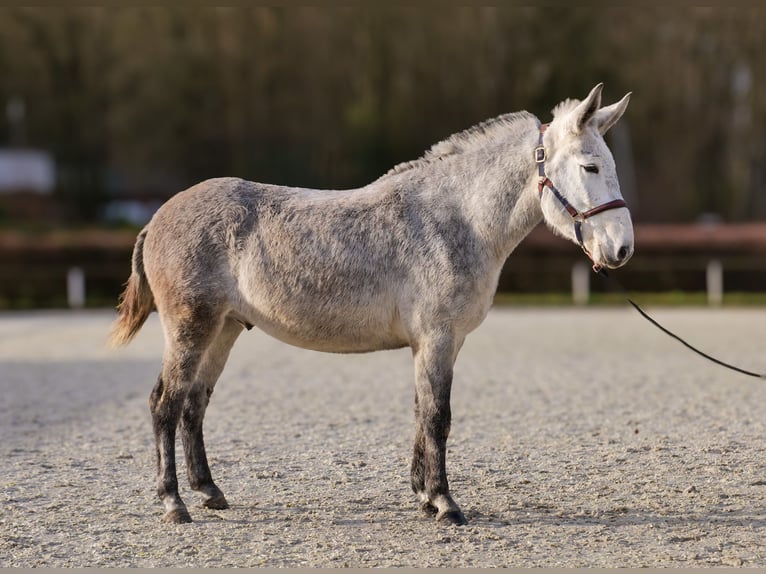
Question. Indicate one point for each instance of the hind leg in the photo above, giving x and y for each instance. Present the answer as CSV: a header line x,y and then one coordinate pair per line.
x,y
198,470
188,334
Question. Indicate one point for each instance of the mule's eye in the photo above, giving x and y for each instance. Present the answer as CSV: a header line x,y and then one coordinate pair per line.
x,y
590,168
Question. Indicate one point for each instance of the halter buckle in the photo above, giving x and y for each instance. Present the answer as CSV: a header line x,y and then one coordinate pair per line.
x,y
541,154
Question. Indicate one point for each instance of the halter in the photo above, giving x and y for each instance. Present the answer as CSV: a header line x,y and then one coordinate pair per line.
x,y
578,217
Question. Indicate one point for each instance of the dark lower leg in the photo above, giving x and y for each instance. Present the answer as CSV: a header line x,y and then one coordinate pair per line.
x,y
166,410
198,470
418,468
435,458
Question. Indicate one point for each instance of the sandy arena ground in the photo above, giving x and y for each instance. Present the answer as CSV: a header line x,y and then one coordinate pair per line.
x,y
579,438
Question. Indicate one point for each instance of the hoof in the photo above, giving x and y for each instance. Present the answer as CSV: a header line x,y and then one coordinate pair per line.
x,y
177,516
216,502
429,508
452,517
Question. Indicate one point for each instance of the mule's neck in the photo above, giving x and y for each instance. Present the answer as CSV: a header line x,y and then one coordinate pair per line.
x,y
492,187
500,199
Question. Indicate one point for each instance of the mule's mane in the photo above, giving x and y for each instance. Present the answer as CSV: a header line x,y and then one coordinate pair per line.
x,y
489,131
564,107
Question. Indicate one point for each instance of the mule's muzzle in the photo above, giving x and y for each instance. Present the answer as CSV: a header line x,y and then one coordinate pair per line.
x,y
620,257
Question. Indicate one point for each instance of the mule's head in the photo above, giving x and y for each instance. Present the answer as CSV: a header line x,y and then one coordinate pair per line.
x,y
581,167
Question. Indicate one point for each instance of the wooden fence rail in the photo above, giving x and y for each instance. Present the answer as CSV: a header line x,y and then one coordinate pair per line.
x,y
88,268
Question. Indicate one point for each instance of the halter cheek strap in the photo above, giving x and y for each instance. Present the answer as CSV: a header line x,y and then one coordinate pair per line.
x,y
578,217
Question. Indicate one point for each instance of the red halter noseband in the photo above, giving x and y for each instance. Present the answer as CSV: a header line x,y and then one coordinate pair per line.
x,y
578,216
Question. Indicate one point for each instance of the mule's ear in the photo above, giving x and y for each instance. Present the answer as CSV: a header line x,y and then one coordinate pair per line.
x,y
607,116
586,109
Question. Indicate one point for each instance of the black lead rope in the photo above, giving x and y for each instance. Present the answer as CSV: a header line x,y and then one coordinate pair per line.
x,y
602,273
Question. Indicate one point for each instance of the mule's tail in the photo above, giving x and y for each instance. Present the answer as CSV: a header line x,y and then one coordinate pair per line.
x,y
136,302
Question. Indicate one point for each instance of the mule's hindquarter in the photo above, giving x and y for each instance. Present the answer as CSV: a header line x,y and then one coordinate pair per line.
x,y
348,271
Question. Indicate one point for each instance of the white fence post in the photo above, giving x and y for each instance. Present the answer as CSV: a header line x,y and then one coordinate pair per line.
x,y
75,287
714,276
580,283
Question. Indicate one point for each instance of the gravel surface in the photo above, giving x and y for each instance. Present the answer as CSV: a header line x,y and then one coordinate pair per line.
x,y
580,437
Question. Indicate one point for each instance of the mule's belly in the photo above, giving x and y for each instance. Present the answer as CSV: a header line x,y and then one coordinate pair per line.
x,y
353,332
337,344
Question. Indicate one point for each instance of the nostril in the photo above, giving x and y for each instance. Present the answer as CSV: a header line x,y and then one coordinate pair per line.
x,y
623,252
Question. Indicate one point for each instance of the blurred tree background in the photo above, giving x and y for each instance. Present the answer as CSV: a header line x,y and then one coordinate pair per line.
x,y
137,101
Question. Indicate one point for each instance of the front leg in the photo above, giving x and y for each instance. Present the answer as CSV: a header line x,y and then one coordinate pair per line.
x,y
418,468
434,360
